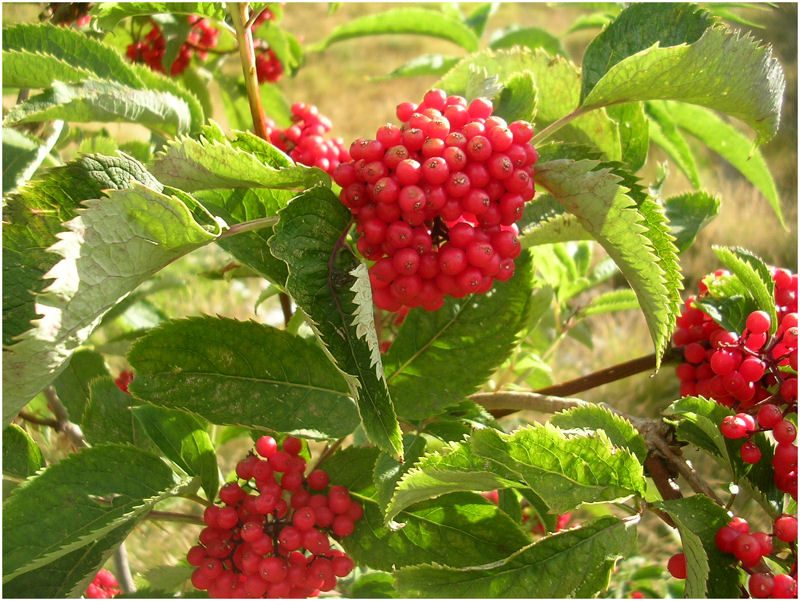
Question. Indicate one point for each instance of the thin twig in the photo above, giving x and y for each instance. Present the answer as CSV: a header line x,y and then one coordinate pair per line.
x,y
329,450
687,471
248,226
39,421
123,570
72,430
504,402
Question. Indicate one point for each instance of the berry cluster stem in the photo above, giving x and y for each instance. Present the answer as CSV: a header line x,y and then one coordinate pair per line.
x,y
244,36
123,570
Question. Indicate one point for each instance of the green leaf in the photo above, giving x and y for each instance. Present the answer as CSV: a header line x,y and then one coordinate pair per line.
x,y
458,530
332,287
634,240
374,585
88,494
517,100
664,132
688,213
183,439
754,274
440,357
710,572
108,416
72,384
478,18
108,250
352,468
417,21
279,42
724,71
60,54
105,101
619,430
33,216
21,455
546,221
615,300
633,133
108,14
389,470
596,20
426,64
546,568
242,373
23,155
563,469
731,144
69,575
637,28
555,75
529,37
192,165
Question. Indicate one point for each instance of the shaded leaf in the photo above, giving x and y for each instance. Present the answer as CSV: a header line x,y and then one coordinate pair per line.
x,y
688,213
108,417
389,470
21,455
374,585
23,155
663,132
72,384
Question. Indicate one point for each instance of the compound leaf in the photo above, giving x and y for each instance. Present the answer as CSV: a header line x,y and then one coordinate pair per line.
x,y
332,287
242,373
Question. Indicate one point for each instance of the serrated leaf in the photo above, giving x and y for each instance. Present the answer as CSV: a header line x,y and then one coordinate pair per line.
x,y
688,213
604,208
112,246
724,71
459,529
754,274
544,569
458,421
105,101
389,470
108,417
69,575
242,373
637,28
517,100
555,75
426,64
440,357
21,455
88,494
633,133
416,21
731,144
562,469
33,216
192,165
23,155
529,37
332,287
614,300
710,572
728,311
108,14
663,132
72,384
619,430
183,439
546,221
352,468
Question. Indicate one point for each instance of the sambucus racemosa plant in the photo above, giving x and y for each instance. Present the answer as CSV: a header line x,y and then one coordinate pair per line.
x,y
425,277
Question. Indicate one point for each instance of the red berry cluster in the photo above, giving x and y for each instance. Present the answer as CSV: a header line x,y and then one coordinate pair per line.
x,y
270,539
436,199
104,586
304,140
749,548
151,50
66,13
268,67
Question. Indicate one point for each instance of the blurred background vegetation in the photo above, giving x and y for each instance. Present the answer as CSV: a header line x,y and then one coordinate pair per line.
x,y
347,83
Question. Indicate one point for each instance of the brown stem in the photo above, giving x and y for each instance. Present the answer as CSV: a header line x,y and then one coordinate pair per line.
x,y
286,307
244,35
658,471
504,402
329,450
685,470
610,374
40,421
73,431
663,515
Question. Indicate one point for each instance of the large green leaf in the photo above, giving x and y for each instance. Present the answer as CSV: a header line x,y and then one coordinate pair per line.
x,y
637,28
558,83
547,568
242,373
618,429
440,357
108,417
183,439
332,287
23,155
688,213
106,101
69,575
72,384
636,240
754,274
563,469
21,455
633,133
417,21
729,143
710,572
87,495
724,71
108,14
34,215
192,165
109,249
427,64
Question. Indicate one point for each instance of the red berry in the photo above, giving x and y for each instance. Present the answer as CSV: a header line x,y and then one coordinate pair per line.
x,y
760,585
677,566
266,446
750,452
786,528
318,480
784,431
747,549
784,587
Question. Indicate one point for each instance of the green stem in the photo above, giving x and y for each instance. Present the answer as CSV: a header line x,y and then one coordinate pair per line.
x,y
554,127
248,226
197,499
172,516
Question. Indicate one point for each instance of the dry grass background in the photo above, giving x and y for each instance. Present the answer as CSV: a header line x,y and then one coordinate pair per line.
x,y
341,81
